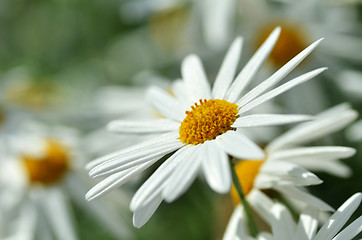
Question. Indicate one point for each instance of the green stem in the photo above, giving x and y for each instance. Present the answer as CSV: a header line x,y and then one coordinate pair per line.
x,y
251,224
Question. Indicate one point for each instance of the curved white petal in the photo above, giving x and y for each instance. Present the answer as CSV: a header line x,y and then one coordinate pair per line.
x,y
126,161
278,75
116,180
308,224
250,69
283,225
156,182
165,104
142,215
298,195
351,231
149,126
257,120
321,153
235,227
239,146
313,130
155,141
281,89
339,218
227,70
196,83
284,173
216,167
183,175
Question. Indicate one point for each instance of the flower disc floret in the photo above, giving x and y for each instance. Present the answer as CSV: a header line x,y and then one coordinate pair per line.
x,y
207,120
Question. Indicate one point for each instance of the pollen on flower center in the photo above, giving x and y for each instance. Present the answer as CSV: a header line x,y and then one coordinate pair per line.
x,y
207,120
291,41
51,167
246,170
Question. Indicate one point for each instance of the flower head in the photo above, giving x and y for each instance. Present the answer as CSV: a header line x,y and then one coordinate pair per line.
x,y
201,124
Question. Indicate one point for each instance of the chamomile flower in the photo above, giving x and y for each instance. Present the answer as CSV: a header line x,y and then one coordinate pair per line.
x,y
285,228
38,175
205,134
280,171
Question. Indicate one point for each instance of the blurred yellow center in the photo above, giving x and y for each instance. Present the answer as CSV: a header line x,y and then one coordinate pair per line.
x,y
207,120
51,167
246,170
291,42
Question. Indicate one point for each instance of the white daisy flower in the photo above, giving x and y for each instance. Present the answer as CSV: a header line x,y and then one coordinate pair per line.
x,y
280,170
285,227
205,134
37,176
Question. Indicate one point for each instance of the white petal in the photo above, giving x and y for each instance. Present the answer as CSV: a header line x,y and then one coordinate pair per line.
x,y
183,175
257,120
284,173
333,166
261,203
156,141
322,153
303,197
235,227
278,75
142,215
149,126
227,70
313,130
155,183
116,180
339,218
216,167
196,83
59,215
351,231
165,104
281,89
308,224
239,146
126,161
250,69
283,226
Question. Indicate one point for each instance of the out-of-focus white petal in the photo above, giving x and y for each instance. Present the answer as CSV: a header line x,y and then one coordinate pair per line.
x,y
257,120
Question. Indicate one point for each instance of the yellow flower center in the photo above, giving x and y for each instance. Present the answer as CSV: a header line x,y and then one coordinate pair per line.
x,y
51,167
291,41
246,170
207,120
